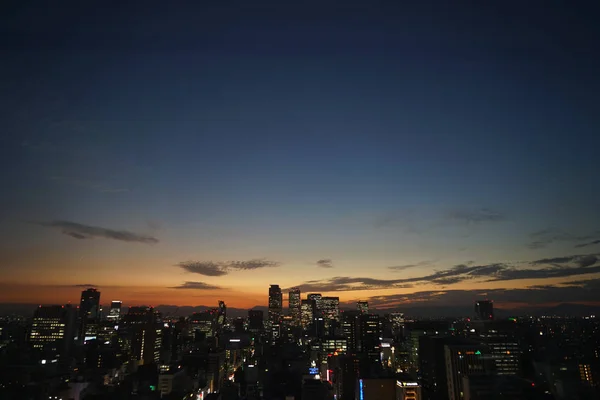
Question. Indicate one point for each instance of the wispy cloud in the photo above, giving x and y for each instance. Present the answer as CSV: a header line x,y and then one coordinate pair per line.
x,y
545,237
408,266
196,285
588,244
211,268
90,184
476,216
559,267
325,263
81,231
86,285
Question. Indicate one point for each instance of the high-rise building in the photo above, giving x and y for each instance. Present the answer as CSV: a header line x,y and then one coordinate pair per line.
x,y
144,330
330,307
484,310
255,321
506,353
368,334
89,308
221,315
275,303
397,320
306,313
114,314
463,360
294,305
408,389
204,323
349,329
53,329
315,299
362,307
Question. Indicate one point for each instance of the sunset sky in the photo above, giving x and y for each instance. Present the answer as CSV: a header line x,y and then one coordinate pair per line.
x,y
377,150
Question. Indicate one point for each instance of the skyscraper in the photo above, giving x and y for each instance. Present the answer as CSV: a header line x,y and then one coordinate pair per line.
x,y
255,321
115,311
484,310
306,310
464,360
275,303
89,308
362,307
53,329
330,307
315,299
369,332
145,334
294,305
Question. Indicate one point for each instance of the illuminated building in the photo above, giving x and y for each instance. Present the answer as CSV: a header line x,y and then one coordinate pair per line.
x,y
114,314
587,374
315,299
484,310
306,313
349,329
368,334
294,304
408,389
275,303
89,311
397,320
362,307
144,329
53,329
330,307
463,359
506,353
203,322
333,345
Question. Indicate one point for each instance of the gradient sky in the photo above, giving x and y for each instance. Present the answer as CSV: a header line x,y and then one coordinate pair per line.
x,y
180,154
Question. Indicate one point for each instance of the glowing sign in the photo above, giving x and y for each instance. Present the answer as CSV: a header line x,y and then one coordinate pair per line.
x,y
385,345
313,370
360,390
234,340
478,353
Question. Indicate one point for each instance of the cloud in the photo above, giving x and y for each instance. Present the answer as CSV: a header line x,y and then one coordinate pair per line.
x,y
408,266
196,285
559,267
80,231
86,285
476,217
548,236
211,268
96,186
325,263
588,244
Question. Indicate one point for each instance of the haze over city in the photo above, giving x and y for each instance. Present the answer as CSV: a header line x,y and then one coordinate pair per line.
x,y
397,154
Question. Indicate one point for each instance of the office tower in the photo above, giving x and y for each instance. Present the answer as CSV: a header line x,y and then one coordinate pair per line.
x,y
306,313
397,320
484,310
204,323
315,299
294,305
144,330
221,315
275,303
238,325
53,329
89,307
506,353
362,307
330,307
464,359
349,329
114,314
368,334
255,321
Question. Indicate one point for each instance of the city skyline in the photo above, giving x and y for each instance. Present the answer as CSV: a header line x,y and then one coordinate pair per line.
x,y
383,154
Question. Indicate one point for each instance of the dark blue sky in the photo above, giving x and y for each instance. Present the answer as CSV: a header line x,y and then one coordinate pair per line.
x,y
373,133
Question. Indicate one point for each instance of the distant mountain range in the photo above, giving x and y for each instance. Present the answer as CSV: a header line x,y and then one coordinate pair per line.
x,y
565,309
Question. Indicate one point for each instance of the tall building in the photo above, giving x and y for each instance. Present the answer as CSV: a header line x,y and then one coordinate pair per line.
x,y
315,299
330,307
53,329
463,360
294,304
275,303
506,353
255,321
204,323
397,320
368,334
115,311
144,330
306,313
221,315
349,329
362,307
89,308
484,310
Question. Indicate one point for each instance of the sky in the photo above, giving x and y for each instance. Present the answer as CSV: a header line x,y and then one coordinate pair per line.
x,y
379,150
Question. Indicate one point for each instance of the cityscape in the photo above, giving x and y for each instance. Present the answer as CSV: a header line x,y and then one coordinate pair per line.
x,y
299,200
307,349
